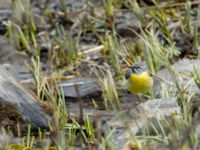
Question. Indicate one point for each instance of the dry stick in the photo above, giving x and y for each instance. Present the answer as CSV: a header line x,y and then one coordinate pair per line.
x,y
95,49
49,63
98,126
81,120
163,80
80,107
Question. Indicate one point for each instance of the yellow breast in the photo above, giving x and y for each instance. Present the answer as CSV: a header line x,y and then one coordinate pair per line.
x,y
139,83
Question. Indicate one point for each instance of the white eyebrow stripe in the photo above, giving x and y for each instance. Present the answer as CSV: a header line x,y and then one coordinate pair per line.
x,y
138,69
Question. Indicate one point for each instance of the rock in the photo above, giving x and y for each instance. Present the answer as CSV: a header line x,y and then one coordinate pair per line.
x,y
125,23
13,94
5,4
14,62
183,70
9,53
85,87
139,116
5,139
19,71
153,108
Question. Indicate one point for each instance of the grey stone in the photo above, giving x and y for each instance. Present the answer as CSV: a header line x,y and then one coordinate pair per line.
x,y
85,87
183,70
14,94
139,116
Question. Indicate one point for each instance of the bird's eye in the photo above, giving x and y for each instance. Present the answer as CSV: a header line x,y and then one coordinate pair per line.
x,y
135,69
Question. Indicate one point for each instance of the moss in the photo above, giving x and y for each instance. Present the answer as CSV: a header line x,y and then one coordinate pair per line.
x,y
20,147
9,116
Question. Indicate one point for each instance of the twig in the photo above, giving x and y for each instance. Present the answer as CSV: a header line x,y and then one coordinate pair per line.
x,y
95,49
161,79
80,107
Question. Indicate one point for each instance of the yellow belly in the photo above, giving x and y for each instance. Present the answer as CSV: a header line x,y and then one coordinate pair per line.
x,y
139,83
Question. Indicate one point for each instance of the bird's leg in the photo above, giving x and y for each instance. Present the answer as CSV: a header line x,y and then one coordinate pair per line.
x,y
139,98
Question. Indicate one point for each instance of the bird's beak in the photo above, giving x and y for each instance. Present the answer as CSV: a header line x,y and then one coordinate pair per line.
x,y
130,66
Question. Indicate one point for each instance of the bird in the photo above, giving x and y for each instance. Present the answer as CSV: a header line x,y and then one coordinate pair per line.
x,y
138,78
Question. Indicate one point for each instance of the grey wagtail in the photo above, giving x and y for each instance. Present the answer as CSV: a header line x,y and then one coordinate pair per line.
x,y
138,78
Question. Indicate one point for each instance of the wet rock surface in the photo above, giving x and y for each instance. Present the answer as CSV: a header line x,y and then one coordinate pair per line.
x,y
183,70
139,116
80,86
13,60
13,94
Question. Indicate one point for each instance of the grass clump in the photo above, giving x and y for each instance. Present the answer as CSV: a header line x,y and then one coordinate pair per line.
x,y
157,42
